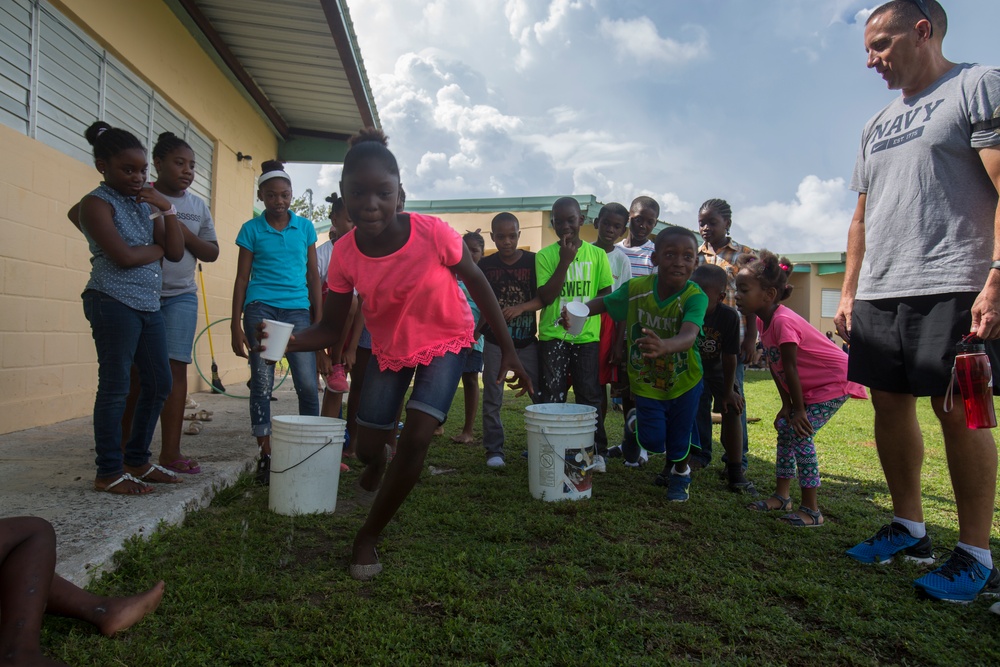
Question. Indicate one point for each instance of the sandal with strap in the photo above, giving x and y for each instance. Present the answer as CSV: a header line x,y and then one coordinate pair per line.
x,y
172,477
796,521
107,488
762,506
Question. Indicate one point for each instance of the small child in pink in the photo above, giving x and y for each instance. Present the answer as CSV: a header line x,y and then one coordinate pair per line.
x,y
403,266
810,372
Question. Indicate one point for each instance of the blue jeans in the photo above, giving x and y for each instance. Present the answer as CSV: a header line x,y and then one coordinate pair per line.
x,y
124,336
301,364
434,388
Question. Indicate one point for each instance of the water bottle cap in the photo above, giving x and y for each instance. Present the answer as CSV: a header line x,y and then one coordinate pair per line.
x,y
970,345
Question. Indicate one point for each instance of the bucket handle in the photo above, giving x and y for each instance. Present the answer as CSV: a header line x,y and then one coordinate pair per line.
x,y
571,464
329,441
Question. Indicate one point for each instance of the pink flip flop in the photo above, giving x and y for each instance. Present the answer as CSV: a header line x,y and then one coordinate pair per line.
x,y
190,467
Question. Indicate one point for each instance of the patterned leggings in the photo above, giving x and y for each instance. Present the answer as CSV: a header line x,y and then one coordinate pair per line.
x,y
794,449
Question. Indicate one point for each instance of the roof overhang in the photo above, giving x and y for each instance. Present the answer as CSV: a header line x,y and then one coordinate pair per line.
x,y
296,61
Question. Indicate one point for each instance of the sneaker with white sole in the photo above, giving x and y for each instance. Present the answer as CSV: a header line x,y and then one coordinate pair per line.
x,y
599,464
891,540
495,462
961,579
678,488
336,380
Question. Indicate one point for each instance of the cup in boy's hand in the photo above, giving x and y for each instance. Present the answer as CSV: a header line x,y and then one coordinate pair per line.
x,y
574,317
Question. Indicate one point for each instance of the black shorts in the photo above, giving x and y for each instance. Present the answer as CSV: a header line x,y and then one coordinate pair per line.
x,y
907,345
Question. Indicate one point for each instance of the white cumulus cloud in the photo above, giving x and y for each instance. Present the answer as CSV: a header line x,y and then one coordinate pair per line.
x,y
815,220
639,39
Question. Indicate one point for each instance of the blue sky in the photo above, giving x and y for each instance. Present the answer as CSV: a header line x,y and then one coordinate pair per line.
x,y
759,102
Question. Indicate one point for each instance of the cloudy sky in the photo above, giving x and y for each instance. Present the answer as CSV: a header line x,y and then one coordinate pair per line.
x,y
760,102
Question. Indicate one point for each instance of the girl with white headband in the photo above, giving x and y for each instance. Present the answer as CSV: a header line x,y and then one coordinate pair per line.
x,y
276,279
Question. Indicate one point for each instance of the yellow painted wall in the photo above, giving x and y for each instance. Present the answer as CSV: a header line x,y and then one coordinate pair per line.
x,y
807,299
536,232
48,369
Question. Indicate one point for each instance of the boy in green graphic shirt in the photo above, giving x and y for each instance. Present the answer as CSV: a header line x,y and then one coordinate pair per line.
x,y
664,313
571,270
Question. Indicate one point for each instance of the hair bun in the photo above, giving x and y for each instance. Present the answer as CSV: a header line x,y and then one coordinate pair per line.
x,y
95,130
271,165
369,134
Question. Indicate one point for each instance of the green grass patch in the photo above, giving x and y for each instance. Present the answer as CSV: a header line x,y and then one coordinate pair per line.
x,y
478,572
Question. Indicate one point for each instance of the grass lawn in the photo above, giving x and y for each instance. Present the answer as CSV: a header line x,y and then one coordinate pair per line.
x,y
478,572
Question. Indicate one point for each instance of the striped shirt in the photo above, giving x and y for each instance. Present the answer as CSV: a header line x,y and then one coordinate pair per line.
x,y
639,258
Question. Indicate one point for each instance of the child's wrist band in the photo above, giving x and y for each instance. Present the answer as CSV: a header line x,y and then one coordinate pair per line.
x,y
157,213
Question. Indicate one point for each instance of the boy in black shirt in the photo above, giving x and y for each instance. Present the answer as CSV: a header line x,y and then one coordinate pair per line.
x,y
719,346
511,273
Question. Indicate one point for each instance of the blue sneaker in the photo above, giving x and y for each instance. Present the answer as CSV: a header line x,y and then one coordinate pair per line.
x,y
892,539
960,580
677,488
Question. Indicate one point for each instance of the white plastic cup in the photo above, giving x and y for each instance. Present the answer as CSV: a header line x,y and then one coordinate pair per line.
x,y
278,334
576,315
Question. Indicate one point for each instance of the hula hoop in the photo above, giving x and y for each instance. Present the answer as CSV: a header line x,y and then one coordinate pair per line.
x,y
208,381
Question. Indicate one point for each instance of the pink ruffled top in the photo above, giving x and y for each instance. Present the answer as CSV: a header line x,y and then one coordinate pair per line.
x,y
412,304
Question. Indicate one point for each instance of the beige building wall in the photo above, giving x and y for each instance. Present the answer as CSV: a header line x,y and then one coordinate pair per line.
x,y
48,369
807,297
536,230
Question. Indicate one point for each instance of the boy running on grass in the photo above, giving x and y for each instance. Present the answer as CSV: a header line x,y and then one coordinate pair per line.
x,y
663,314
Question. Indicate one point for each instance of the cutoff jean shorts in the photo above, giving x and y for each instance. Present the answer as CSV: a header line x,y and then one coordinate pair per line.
x,y
434,388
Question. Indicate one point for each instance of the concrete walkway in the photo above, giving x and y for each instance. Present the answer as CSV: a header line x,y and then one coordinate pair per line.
x,y
49,472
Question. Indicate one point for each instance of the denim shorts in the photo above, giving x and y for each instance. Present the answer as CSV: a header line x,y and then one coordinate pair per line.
x,y
180,314
472,360
434,388
365,340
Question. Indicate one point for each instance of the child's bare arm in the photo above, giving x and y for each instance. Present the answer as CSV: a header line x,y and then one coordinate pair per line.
x,y
653,346
97,217
789,363
550,291
731,397
510,312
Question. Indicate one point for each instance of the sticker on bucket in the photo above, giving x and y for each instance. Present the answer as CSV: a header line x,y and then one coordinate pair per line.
x,y
561,450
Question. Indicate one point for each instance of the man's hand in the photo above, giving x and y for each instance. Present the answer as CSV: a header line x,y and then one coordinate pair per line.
x,y
842,320
986,312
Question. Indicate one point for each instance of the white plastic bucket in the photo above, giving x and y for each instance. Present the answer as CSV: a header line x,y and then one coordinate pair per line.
x,y
560,450
305,464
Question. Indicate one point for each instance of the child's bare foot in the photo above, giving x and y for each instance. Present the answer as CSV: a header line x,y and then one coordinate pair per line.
x,y
464,438
122,613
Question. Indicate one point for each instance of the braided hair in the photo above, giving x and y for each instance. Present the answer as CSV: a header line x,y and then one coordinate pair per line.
x,y
370,143
167,143
719,206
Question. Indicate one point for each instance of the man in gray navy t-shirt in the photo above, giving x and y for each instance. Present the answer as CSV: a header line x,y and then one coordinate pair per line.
x,y
923,270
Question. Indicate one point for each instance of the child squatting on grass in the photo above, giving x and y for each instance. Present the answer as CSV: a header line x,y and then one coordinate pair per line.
x,y
810,372
663,314
403,267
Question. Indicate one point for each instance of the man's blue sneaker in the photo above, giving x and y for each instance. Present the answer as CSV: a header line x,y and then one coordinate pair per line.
x,y
677,488
960,579
893,539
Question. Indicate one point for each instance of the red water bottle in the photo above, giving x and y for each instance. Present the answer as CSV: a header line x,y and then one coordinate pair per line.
x,y
975,381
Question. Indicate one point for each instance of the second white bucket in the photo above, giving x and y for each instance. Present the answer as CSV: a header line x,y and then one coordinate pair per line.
x,y
305,464
561,450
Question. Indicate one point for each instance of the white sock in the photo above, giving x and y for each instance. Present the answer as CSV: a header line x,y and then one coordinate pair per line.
x,y
917,528
675,471
984,556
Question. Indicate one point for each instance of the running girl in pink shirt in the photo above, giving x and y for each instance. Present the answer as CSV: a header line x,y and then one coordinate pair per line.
x,y
811,374
403,267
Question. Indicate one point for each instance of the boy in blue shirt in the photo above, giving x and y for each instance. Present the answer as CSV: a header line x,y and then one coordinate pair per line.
x,y
663,314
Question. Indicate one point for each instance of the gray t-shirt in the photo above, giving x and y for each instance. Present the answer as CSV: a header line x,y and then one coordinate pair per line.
x,y
178,277
930,207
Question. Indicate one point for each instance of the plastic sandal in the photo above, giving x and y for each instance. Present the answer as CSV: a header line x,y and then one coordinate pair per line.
x,y
143,487
762,506
189,467
194,428
154,468
796,521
